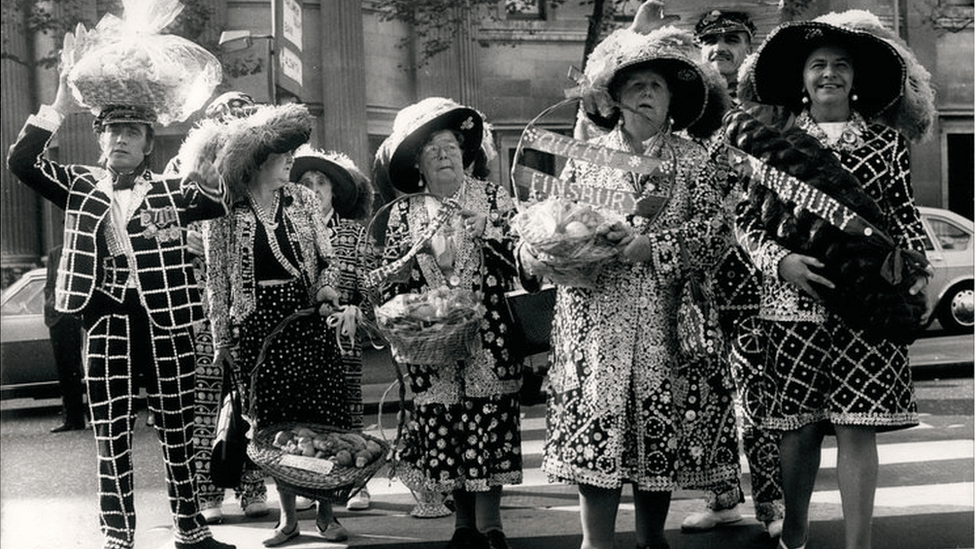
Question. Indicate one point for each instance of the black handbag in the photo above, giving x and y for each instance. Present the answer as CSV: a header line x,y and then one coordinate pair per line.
x,y
230,442
531,321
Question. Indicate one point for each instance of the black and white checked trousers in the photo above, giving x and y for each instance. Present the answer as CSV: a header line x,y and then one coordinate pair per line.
x,y
124,347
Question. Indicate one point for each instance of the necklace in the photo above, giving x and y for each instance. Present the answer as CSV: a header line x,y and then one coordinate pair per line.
x,y
268,219
847,137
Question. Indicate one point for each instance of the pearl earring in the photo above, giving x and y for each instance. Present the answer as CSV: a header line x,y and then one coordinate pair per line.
x,y
853,97
805,100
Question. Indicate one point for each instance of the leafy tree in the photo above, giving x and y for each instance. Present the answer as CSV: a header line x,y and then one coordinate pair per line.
x,y
436,24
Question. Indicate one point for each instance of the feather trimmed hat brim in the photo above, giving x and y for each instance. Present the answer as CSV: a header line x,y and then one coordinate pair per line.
x,y
250,140
415,123
699,94
907,104
879,72
352,194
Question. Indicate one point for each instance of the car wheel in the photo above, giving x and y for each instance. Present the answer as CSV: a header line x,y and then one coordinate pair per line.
x,y
956,308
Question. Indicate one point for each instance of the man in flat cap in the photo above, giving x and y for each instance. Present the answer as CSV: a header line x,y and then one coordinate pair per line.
x,y
725,38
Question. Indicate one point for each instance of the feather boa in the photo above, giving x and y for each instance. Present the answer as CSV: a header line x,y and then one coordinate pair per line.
x,y
872,275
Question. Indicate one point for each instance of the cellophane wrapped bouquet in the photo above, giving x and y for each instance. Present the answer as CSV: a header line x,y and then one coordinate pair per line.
x,y
435,327
566,238
127,61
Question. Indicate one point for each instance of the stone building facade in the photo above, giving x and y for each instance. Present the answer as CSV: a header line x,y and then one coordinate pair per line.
x,y
357,70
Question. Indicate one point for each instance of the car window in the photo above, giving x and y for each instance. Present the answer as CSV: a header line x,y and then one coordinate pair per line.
x,y
29,300
950,235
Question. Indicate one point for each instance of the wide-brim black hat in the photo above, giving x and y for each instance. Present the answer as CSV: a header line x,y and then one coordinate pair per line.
x,y
685,82
699,94
879,72
351,193
414,125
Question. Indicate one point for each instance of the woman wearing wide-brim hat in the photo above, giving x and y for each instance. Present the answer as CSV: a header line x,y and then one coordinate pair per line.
x,y
268,258
618,410
463,436
854,91
346,195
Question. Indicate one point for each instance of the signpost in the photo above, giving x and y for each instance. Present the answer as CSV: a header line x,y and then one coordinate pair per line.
x,y
287,24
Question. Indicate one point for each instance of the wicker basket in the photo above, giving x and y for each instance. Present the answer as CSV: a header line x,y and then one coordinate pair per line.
x,y
337,485
442,340
447,345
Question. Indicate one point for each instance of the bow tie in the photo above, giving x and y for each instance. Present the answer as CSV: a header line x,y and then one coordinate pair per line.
x,y
124,181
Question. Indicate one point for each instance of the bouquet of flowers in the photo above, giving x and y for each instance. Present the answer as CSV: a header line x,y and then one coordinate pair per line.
x,y
435,327
128,62
568,238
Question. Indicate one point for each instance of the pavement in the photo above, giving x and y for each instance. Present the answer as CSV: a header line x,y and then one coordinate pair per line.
x,y
922,503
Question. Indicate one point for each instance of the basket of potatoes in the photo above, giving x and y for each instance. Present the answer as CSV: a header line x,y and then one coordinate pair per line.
x,y
317,461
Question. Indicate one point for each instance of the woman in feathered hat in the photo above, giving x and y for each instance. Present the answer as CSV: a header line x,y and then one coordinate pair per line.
x,y
618,400
267,259
346,196
850,91
463,436
205,141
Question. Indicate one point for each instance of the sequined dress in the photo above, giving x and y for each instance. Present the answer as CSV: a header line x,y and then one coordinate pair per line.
x,y
622,407
464,431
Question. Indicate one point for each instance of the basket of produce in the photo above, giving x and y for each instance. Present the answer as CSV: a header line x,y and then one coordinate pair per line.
x,y
439,325
127,61
435,327
317,461
568,238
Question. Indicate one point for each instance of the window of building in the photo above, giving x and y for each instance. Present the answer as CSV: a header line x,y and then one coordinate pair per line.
x,y
531,10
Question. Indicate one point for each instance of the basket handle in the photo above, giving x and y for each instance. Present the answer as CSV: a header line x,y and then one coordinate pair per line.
x,y
448,208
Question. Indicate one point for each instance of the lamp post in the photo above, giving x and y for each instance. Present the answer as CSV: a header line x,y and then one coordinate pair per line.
x,y
237,40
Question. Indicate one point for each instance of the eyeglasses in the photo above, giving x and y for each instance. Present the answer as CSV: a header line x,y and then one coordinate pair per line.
x,y
438,147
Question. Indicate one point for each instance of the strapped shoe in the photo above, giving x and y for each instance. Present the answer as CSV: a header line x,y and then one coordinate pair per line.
x,y
334,531
303,503
256,509
707,520
359,501
212,515
281,537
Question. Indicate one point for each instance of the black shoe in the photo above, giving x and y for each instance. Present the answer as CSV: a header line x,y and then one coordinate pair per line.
x,y
496,539
208,543
467,538
69,426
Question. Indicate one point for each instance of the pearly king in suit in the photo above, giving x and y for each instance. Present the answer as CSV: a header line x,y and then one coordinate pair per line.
x,y
135,291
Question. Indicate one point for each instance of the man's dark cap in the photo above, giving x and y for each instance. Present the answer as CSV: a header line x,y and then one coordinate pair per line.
x,y
123,114
721,22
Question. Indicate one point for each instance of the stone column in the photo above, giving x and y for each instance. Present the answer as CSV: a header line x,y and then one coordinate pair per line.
x,y
344,81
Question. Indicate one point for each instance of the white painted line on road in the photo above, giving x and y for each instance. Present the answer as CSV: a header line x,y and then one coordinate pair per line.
x,y
958,494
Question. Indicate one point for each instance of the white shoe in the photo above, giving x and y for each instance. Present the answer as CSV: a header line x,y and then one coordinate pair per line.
x,y
213,515
303,503
256,509
706,520
775,528
359,502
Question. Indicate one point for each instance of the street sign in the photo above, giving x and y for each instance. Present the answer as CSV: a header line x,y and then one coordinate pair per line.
x,y
288,53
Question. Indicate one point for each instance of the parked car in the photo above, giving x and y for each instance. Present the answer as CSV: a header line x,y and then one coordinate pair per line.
x,y
949,248
27,366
